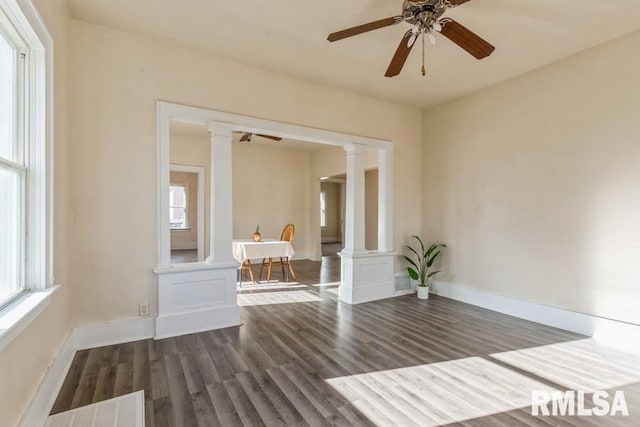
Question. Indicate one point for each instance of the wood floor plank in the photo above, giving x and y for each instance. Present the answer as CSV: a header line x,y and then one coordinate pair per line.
x,y
301,358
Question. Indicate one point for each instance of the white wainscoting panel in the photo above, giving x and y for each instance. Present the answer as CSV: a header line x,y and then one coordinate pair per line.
x,y
367,277
196,299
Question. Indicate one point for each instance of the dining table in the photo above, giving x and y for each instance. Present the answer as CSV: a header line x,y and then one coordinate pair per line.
x,y
246,250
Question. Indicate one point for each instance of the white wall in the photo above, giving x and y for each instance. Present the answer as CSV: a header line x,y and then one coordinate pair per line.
x,y
270,189
24,362
117,79
534,184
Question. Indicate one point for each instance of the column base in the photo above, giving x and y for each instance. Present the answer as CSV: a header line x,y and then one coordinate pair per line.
x,y
197,298
366,276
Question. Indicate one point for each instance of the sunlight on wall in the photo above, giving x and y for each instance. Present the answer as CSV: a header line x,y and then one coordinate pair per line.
x,y
438,393
578,365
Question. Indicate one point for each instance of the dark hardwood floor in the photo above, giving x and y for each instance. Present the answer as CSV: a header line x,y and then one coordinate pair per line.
x,y
301,357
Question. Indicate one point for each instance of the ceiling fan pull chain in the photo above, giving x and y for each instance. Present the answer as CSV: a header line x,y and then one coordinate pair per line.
x,y
424,70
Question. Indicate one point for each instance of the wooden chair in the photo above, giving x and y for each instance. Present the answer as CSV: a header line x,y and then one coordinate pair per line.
x,y
246,266
287,236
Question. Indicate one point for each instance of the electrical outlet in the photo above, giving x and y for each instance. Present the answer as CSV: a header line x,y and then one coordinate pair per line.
x,y
143,309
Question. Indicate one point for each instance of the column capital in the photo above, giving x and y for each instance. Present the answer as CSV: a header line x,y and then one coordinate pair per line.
x,y
220,129
355,149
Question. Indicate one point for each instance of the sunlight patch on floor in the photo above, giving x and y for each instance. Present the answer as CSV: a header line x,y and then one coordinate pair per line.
x,y
582,365
326,285
438,393
277,297
269,286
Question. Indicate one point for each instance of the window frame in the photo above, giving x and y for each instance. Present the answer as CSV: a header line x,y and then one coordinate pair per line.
x,y
22,16
18,163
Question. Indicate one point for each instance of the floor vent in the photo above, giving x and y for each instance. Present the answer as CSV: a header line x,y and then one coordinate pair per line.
x,y
403,282
122,411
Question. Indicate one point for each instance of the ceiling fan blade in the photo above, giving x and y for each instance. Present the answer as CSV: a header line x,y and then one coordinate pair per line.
x,y
245,137
455,3
400,57
466,39
354,31
275,138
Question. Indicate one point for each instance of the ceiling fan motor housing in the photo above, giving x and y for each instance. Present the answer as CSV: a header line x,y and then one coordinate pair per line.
x,y
423,13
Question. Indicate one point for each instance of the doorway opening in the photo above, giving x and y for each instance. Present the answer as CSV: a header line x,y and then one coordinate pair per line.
x,y
203,295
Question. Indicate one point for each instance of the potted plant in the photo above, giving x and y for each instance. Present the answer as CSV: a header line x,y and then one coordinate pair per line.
x,y
257,236
421,261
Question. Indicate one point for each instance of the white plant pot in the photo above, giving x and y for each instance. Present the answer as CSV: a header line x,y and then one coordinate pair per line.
x,y
423,292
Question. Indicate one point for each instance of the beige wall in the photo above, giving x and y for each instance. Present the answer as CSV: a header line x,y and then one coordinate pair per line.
x,y
371,209
270,189
190,150
24,362
534,184
117,78
332,232
187,239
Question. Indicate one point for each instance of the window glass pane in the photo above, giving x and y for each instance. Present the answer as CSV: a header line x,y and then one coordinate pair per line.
x,y
178,206
10,235
7,99
323,209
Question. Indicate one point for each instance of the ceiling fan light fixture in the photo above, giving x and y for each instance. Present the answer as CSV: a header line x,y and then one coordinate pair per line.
x,y
432,39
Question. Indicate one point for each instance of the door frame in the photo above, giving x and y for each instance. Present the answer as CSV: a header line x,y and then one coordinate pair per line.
x,y
200,214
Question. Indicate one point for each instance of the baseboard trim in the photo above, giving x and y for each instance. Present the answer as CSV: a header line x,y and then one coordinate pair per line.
x,y
615,333
42,402
330,240
403,292
183,246
113,332
197,321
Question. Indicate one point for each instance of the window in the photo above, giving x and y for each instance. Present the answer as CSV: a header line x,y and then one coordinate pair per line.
x,y
178,206
13,169
323,209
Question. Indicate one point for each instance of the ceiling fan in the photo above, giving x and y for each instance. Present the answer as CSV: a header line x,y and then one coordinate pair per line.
x,y
425,18
246,137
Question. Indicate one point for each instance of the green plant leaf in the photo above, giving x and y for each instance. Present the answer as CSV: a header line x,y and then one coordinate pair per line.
x,y
419,241
414,251
433,273
412,273
431,249
410,261
432,259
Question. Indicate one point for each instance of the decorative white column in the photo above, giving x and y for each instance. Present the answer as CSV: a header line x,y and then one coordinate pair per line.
x,y
365,276
221,221
203,296
354,229
385,199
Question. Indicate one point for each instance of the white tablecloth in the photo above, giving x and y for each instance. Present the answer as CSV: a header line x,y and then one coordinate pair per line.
x,y
247,249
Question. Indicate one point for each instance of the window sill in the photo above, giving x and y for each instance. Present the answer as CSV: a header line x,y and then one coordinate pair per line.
x,y
15,317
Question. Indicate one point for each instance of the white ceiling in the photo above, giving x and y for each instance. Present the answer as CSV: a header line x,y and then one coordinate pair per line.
x,y
289,37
